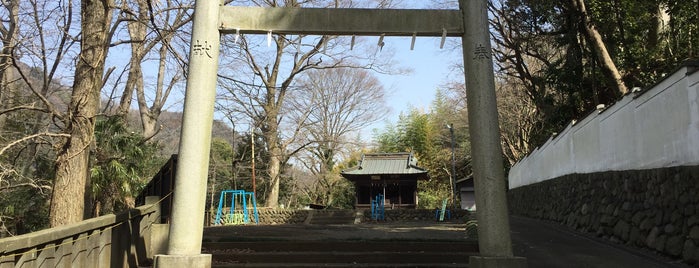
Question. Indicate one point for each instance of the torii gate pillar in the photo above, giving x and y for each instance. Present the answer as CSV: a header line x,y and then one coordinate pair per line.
x,y
494,241
187,226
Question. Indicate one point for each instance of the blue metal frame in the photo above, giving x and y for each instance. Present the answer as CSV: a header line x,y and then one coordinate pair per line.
x,y
235,194
446,215
377,208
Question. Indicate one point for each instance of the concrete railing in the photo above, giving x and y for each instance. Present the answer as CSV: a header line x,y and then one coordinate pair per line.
x,y
162,185
127,239
653,128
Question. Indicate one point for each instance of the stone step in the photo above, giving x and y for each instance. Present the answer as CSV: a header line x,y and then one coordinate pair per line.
x,y
327,221
323,258
342,265
331,217
351,246
341,253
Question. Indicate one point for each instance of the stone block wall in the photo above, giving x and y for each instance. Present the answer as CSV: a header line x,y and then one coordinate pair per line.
x,y
656,209
294,216
282,216
268,216
412,215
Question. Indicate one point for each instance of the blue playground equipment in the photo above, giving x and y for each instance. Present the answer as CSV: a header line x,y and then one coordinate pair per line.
x,y
377,208
439,214
238,212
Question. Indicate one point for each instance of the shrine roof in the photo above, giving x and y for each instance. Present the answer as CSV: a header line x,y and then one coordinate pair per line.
x,y
385,164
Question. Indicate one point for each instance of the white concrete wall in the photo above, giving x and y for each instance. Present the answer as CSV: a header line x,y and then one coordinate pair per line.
x,y
656,128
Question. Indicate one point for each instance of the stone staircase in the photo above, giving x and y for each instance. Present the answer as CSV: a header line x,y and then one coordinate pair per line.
x,y
341,253
330,217
331,238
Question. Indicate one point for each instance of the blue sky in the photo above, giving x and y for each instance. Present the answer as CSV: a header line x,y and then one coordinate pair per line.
x,y
431,66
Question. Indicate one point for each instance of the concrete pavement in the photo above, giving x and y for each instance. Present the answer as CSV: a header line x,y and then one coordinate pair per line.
x,y
547,244
544,244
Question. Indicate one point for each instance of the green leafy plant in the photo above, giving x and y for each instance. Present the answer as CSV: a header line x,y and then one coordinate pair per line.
x,y
121,164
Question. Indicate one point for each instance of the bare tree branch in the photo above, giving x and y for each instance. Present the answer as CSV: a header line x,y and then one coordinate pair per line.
x,y
30,137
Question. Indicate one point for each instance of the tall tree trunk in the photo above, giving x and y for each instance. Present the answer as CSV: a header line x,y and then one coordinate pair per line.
x,y
600,49
149,115
137,33
67,200
660,21
271,134
8,43
174,16
274,170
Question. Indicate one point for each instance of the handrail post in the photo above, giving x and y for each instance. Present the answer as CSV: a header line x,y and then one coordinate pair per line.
x,y
149,227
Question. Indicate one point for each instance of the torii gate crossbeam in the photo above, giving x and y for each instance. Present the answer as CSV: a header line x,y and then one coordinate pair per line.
x,y
341,21
211,19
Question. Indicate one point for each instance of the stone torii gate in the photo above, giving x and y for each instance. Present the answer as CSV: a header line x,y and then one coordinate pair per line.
x,y
211,19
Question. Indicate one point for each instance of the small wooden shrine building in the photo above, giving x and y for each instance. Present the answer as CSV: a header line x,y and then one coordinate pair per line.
x,y
394,175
